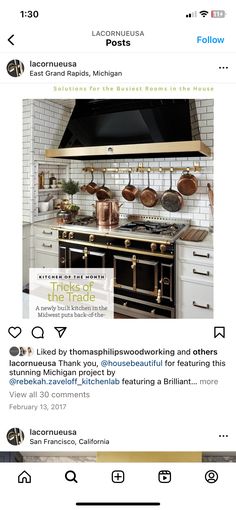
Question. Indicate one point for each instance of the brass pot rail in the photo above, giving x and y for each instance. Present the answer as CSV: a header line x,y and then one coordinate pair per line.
x,y
141,169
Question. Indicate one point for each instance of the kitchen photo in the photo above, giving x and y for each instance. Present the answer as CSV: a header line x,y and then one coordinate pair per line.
x,y
117,457
126,184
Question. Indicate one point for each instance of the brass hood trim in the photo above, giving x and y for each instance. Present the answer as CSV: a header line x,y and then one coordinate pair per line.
x,y
195,147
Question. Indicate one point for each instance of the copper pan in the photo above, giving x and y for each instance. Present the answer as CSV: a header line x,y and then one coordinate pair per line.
x,y
171,200
187,184
91,187
103,193
130,192
149,196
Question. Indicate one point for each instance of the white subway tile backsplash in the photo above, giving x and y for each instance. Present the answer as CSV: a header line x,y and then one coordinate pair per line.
x,y
207,102
43,126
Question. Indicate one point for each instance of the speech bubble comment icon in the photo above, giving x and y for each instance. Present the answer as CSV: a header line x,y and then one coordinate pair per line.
x,y
37,332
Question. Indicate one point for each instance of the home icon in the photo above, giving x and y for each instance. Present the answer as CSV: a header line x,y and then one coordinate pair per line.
x,y
24,477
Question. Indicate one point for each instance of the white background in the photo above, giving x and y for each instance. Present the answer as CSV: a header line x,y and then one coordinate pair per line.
x,y
49,489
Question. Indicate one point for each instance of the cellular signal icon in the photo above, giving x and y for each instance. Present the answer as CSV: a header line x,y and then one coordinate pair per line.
x,y
191,14
204,13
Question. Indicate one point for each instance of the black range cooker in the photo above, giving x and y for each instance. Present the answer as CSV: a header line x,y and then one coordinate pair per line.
x,y
142,254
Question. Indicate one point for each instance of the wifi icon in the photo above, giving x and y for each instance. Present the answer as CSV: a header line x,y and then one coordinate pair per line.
x,y
204,13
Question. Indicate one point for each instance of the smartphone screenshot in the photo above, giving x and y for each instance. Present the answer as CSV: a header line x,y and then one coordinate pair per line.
x,y
118,352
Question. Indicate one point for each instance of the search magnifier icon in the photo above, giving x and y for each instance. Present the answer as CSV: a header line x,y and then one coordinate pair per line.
x,y
70,476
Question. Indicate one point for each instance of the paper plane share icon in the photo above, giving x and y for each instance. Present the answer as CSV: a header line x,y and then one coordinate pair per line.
x,y
60,331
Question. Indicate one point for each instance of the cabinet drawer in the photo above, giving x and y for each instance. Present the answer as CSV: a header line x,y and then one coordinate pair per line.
x,y
196,254
137,307
46,233
196,301
46,245
198,272
47,260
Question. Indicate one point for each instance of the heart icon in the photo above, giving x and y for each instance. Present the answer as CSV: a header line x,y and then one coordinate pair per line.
x,y
15,332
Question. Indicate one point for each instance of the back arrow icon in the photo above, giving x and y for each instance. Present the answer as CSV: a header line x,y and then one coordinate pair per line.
x,y
10,39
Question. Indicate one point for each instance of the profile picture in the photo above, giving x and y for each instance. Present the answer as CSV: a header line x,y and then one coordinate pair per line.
x,y
15,436
15,68
14,351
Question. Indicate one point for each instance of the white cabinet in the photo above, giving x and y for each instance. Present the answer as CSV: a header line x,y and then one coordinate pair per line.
x,y
194,280
46,247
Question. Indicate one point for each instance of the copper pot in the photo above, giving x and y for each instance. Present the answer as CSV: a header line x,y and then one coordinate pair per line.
x,y
107,212
64,217
187,184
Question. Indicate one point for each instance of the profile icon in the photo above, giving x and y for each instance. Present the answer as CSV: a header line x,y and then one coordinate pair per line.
x,y
15,436
15,68
14,351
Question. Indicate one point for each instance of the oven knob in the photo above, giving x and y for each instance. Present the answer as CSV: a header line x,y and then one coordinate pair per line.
x,y
162,248
91,238
64,235
127,243
153,246
71,235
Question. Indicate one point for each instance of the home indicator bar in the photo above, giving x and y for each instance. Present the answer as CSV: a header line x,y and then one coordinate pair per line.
x,y
119,504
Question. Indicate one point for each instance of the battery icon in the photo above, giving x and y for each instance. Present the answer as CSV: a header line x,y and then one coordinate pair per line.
x,y
218,14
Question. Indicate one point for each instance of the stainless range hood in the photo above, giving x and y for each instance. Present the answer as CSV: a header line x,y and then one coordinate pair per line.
x,y
106,129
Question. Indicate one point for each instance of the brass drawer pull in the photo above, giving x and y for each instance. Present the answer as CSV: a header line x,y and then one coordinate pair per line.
x,y
125,303
48,233
207,256
201,306
207,273
47,245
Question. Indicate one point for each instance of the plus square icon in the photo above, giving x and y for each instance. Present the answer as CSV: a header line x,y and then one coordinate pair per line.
x,y
118,476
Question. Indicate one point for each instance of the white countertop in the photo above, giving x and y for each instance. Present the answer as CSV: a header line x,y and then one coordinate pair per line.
x,y
206,243
50,223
